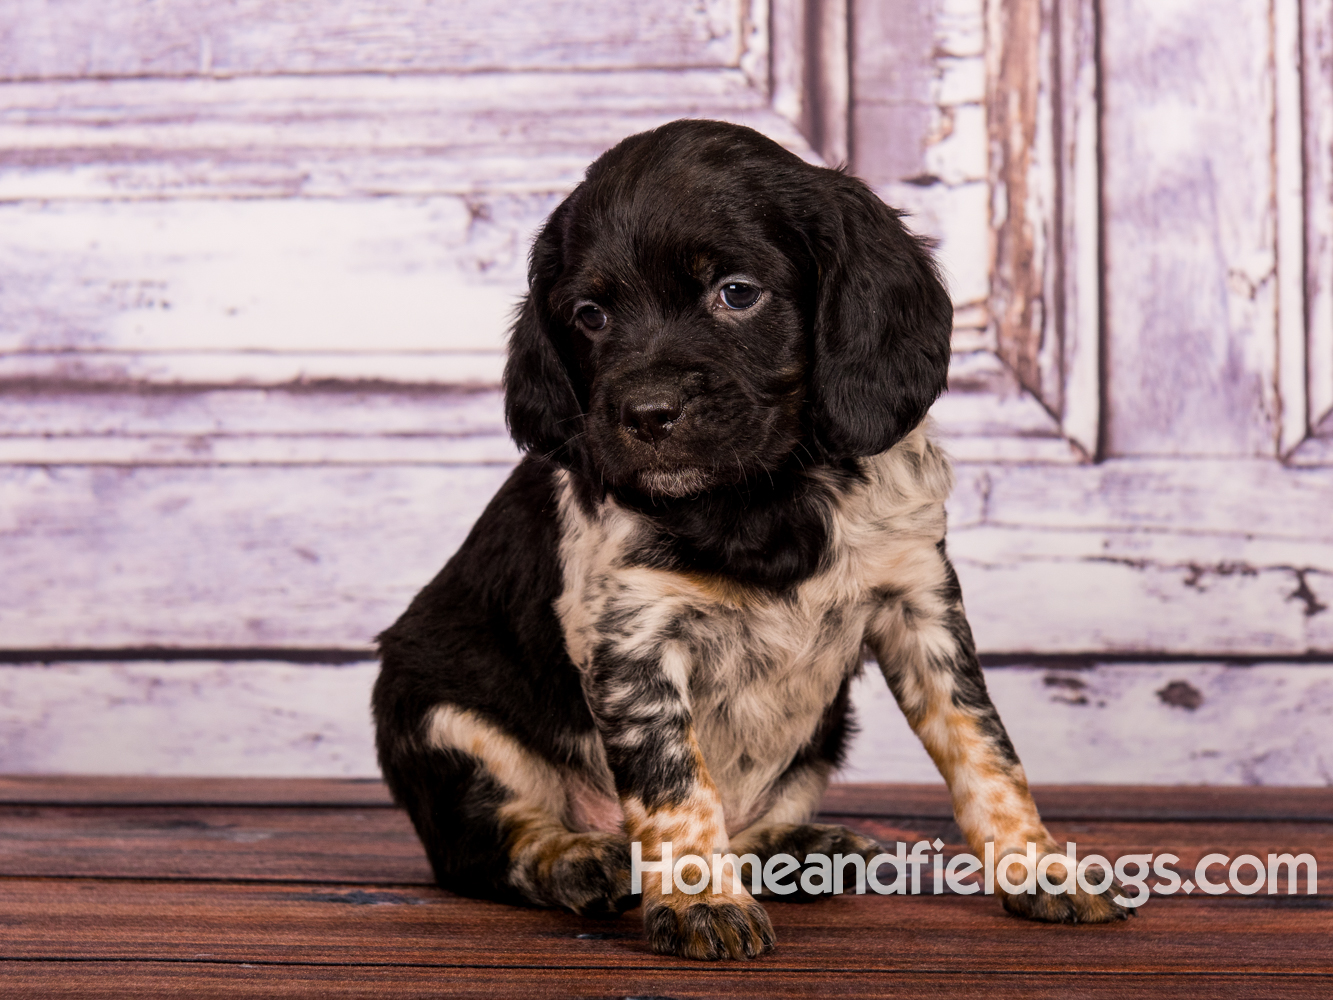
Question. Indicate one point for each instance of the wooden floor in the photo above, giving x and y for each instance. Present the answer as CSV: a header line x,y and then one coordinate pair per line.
x,y
192,887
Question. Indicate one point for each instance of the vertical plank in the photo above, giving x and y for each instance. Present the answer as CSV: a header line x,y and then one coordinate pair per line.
x,y
1019,119
811,72
1317,74
1079,302
1289,166
1189,215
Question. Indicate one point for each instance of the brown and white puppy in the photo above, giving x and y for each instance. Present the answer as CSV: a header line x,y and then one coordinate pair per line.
x,y
719,374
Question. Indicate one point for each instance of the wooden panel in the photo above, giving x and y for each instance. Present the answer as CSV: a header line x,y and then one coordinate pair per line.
x,y
1189,202
1317,76
1206,497
1019,121
1139,723
188,718
260,923
176,38
312,424
266,556
266,275
345,846
919,136
1197,556
1074,279
334,845
1127,590
85,371
1129,723
347,135
74,408
133,980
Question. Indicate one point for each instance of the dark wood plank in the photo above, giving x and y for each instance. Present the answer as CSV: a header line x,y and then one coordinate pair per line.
x,y
311,844
378,846
181,921
134,980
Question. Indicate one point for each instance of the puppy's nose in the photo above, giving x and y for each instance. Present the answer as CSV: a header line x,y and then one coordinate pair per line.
x,y
651,417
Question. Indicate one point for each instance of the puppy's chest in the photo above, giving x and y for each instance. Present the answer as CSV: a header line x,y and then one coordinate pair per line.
x,y
759,670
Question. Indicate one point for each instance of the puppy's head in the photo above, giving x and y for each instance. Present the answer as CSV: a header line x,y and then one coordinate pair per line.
x,y
706,307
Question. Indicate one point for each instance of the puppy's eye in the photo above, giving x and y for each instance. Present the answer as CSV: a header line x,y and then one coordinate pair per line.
x,y
591,318
739,295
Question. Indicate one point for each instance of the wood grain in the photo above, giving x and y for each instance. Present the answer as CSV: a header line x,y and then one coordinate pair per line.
x,y
163,921
277,575
1317,76
1189,209
107,980
342,844
186,37
349,136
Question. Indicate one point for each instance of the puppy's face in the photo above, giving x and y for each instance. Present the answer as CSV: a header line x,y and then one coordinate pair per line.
x,y
689,331
706,305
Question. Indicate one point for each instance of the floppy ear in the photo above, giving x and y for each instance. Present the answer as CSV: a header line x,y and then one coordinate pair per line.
x,y
882,329
541,406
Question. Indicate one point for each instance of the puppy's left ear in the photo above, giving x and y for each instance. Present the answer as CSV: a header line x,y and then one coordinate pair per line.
x,y
541,406
882,327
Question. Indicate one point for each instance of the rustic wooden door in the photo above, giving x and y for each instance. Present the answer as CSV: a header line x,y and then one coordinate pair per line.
x,y
257,261
1159,303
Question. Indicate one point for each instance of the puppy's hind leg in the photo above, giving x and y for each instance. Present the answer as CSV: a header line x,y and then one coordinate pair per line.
x,y
491,816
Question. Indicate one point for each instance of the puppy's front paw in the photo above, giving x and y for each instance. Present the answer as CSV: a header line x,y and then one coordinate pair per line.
x,y
1077,907
708,927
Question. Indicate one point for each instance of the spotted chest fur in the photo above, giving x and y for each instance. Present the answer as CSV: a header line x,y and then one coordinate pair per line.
x,y
757,675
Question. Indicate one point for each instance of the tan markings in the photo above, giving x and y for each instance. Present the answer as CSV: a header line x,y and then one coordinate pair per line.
x,y
990,797
721,590
532,782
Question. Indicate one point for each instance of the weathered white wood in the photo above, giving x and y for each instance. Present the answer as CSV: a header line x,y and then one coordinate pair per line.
x,y
1264,724
256,719
1289,184
1192,497
1125,590
347,135
203,369
84,409
312,557
1188,191
1079,267
110,38
259,449
1317,73
365,411
1052,558
264,275
919,136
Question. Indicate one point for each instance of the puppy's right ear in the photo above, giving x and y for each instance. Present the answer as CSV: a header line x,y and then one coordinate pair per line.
x,y
541,405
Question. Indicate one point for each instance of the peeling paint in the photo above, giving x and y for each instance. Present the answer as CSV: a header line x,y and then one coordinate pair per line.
x,y
1313,605
1181,694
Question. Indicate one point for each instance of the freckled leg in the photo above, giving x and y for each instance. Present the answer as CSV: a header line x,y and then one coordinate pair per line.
x,y
667,795
925,650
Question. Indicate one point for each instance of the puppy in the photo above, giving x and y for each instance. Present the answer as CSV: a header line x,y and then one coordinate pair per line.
x,y
719,375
